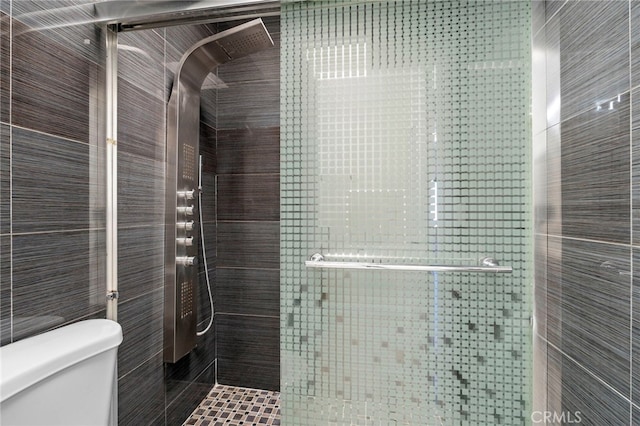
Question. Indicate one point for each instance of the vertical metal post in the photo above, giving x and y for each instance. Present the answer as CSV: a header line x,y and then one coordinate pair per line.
x,y
111,172
111,98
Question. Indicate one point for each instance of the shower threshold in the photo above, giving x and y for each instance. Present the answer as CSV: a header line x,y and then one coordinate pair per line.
x,y
234,406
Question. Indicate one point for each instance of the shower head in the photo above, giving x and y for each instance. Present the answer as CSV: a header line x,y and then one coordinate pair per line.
x,y
245,39
204,56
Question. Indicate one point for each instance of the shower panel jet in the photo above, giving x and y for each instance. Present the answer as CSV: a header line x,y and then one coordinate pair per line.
x,y
183,170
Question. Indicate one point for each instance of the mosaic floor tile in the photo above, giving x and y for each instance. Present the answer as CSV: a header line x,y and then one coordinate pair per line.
x,y
234,406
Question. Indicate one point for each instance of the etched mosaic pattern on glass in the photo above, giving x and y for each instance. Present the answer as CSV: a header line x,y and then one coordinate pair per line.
x,y
405,139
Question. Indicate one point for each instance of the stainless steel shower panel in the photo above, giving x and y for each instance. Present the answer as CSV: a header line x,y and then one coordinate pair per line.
x,y
183,132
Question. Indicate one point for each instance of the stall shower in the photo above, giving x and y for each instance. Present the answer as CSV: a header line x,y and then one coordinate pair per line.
x,y
373,133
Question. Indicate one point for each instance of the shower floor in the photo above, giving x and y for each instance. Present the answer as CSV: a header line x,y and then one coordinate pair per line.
x,y
233,406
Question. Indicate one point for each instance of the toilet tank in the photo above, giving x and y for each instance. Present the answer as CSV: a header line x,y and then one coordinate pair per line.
x,y
63,377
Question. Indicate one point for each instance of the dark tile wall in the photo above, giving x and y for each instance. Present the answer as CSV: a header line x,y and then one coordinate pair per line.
x,y
248,214
151,392
240,202
586,170
52,233
52,217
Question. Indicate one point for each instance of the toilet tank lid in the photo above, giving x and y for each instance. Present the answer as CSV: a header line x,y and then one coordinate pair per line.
x,y
33,359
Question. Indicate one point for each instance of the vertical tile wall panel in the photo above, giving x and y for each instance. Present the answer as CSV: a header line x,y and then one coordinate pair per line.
x,y
5,179
599,193
5,236
635,165
585,399
141,394
596,309
635,329
554,288
209,153
247,291
204,305
51,280
634,41
140,261
5,289
253,244
209,101
208,149
66,22
209,223
141,61
249,197
591,163
5,67
181,407
51,72
635,200
252,150
141,174
51,186
41,99
140,191
634,33
141,320
248,102
594,51
209,216
264,375
247,179
141,129
208,200
248,351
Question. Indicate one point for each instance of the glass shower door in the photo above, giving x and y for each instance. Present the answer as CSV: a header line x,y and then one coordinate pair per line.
x,y
404,143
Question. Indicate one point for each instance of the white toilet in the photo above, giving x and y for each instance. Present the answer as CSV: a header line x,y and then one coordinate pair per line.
x,y
63,377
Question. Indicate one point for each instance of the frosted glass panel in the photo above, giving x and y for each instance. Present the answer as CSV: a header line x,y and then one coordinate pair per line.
x,y
405,139
371,159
